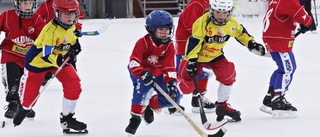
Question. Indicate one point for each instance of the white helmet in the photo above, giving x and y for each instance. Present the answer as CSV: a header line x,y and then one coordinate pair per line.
x,y
221,6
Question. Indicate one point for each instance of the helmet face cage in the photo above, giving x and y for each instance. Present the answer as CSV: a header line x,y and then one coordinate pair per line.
x,y
221,6
66,6
159,19
22,14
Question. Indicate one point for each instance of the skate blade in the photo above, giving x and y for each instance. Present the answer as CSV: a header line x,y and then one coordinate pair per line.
x,y
206,110
71,131
280,114
130,135
266,109
177,113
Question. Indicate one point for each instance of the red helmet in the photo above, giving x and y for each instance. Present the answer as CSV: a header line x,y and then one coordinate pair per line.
x,y
65,6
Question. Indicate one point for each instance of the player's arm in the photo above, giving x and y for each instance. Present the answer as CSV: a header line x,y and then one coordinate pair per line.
x,y
243,37
42,11
194,42
168,64
136,58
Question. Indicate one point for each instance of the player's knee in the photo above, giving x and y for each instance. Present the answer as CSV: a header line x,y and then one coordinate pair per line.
x,y
186,86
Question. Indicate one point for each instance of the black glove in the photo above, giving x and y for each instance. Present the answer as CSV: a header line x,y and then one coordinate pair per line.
x,y
147,78
77,33
192,67
70,54
77,47
304,29
256,48
173,90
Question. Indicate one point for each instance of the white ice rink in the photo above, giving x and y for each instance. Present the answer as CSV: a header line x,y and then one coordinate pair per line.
x,y
105,101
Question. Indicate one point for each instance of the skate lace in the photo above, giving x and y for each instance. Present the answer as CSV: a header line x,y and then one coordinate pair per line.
x,y
284,100
205,100
6,107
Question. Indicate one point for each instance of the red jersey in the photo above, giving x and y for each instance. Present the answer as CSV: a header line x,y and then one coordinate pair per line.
x,y
20,33
46,12
146,55
193,10
280,24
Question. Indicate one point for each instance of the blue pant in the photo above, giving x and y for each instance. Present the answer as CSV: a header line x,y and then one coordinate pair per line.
x,y
142,93
282,77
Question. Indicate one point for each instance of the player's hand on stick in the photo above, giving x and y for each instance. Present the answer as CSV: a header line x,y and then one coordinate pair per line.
x,y
62,58
256,48
172,88
192,67
147,77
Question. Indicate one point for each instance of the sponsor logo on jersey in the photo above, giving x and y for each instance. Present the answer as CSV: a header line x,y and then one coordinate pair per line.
x,y
22,41
153,59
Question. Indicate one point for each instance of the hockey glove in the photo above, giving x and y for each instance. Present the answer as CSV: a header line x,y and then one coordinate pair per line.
x,y
172,88
77,33
192,67
147,78
256,48
77,47
304,29
70,54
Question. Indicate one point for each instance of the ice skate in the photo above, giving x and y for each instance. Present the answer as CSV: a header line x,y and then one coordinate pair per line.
x,y
148,115
173,110
11,108
208,106
134,123
266,103
31,114
281,108
224,109
20,115
72,126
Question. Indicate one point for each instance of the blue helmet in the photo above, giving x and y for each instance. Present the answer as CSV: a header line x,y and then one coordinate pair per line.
x,y
159,19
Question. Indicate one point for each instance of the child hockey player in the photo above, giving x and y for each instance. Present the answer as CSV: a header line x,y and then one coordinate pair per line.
x,y
46,12
280,44
204,48
21,27
52,49
193,10
152,61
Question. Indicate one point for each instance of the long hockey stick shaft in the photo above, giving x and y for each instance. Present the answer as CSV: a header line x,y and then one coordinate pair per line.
x,y
203,116
53,76
220,133
315,12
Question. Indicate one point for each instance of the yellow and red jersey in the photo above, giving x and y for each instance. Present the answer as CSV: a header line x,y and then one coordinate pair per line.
x,y
52,42
208,40
193,10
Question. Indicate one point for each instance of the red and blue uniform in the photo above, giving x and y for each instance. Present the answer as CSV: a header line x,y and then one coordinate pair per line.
x,y
159,60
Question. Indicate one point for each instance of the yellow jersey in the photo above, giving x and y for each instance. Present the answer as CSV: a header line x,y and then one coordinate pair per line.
x,y
207,40
52,41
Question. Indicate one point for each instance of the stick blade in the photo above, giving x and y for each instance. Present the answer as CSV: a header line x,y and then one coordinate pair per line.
x,y
216,125
220,133
90,33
